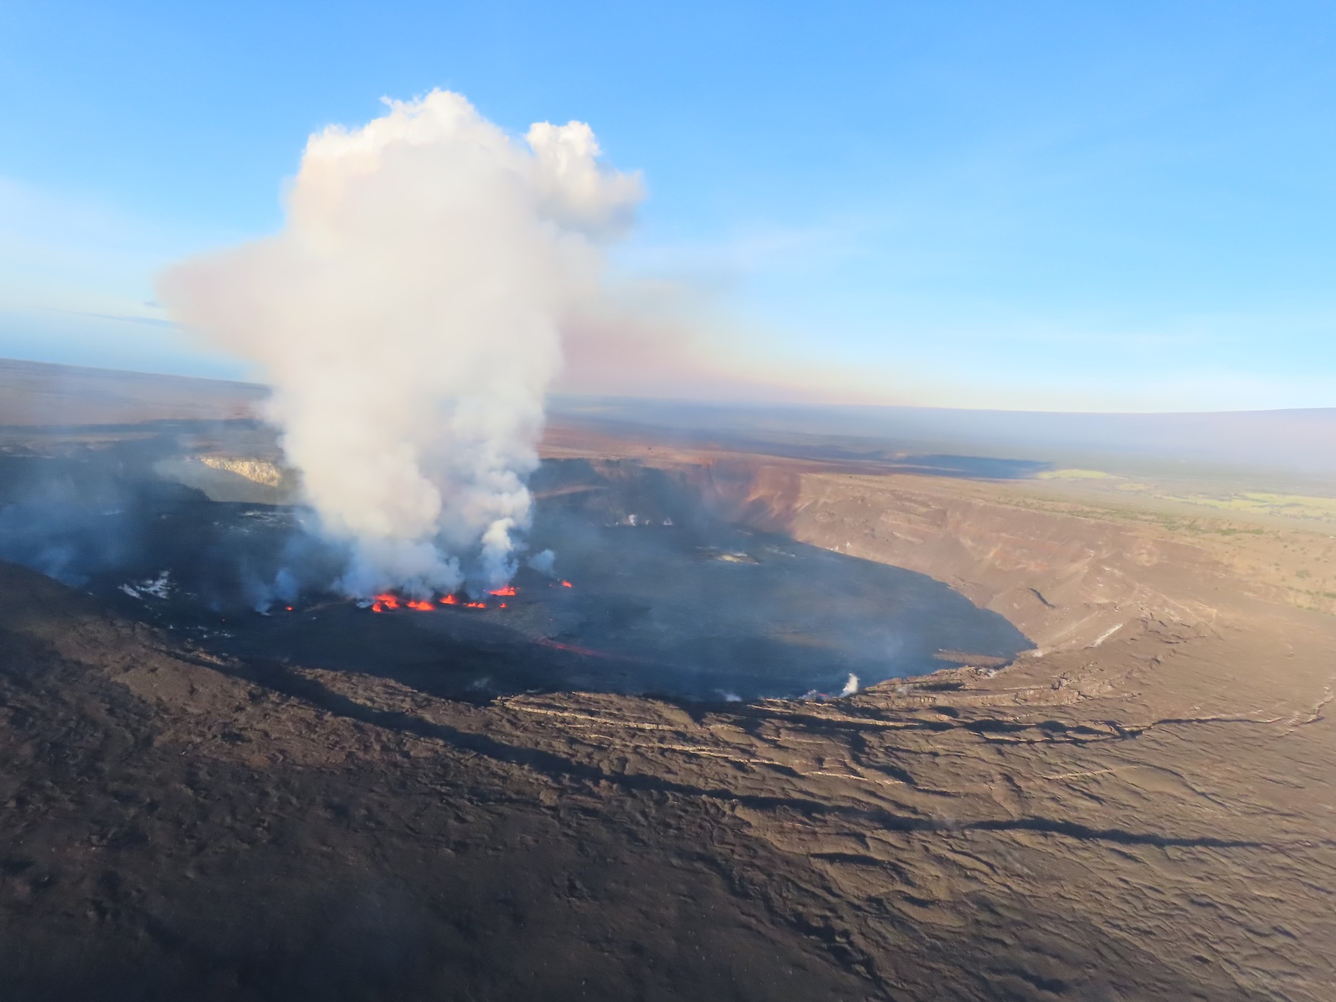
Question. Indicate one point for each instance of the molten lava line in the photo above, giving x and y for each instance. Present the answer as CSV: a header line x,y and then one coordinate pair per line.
x,y
573,649
388,600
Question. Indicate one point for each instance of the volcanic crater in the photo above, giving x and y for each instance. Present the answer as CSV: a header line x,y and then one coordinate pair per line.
x,y
201,801
654,591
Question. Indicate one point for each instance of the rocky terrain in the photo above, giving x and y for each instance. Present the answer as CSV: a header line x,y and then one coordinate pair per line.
x,y
1142,808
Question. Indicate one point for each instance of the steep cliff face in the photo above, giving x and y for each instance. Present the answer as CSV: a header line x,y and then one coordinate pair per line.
x,y
1064,578
259,471
250,479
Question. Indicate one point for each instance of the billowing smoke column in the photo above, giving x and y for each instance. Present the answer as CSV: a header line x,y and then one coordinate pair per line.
x,y
407,318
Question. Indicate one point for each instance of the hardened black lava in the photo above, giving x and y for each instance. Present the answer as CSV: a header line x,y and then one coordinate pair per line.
x,y
650,592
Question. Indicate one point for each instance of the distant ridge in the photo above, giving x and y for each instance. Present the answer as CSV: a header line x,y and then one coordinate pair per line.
x,y
44,393
1300,441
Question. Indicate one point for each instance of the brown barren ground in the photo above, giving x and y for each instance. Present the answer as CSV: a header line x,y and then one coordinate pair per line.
x,y
1143,808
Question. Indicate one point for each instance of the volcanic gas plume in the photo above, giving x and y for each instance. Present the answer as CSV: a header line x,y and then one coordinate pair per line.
x,y
407,318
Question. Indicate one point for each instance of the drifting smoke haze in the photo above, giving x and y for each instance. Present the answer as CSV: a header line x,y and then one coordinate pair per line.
x,y
408,317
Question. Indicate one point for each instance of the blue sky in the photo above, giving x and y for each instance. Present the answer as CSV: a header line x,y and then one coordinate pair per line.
x,y
1034,205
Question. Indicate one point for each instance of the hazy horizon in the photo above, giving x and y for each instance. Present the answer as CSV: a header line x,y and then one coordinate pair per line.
x,y
722,405
1300,441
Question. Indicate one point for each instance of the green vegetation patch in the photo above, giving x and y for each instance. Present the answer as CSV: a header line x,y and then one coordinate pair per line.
x,y
1252,502
1075,474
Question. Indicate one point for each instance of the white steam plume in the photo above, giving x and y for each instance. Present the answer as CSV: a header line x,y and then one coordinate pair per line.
x,y
407,318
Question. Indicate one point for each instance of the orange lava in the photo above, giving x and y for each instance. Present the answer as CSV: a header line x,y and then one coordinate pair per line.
x,y
388,600
567,584
586,651
507,592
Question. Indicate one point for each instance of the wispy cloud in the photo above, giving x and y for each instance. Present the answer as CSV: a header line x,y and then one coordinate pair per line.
x,y
126,318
